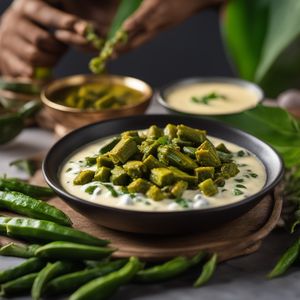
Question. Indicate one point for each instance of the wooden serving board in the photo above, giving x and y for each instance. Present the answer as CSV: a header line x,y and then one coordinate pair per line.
x,y
239,237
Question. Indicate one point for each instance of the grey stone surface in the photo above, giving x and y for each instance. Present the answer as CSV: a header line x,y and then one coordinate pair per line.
x,y
239,279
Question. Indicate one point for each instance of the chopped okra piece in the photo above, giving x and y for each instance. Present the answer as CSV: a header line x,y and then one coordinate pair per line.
x,y
105,101
178,188
222,148
204,173
110,145
170,131
161,176
171,156
196,136
180,175
208,188
90,160
190,151
151,162
102,174
104,161
134,168
148,147
139,186
155,193
154,132
134,134
219,181
84,177
182,143
229,170
225,157
125,149
119,176
207,155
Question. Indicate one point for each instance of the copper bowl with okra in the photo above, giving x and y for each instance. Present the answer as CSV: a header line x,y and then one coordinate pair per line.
x,y
76,101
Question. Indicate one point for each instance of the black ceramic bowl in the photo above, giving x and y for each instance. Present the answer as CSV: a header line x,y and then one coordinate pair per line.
x,y
173,222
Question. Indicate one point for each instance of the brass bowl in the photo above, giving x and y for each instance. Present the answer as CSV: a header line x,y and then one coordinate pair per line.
x,y
68,118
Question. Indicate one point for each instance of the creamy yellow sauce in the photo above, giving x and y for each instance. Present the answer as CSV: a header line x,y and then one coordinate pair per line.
x,y
233,98
250,180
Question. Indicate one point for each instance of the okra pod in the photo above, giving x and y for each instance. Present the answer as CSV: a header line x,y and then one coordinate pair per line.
x,y
125,149
229,170
109,146
31,229
139,185
134,168
155,193
17,250
154,132
28,206
161,176
169,269
62,250
19,286
28,266
35,191
191,134
170,131
179,188
208,187
70,282
207,155
84,177
47,273
103,287
119,176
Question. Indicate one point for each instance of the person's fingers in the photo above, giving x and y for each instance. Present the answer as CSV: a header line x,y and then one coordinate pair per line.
x,y
11,65
39,37
69,37
29,53
46,15
136,22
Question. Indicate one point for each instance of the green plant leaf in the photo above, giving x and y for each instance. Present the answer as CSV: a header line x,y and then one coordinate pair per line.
x,y
273,125
125,9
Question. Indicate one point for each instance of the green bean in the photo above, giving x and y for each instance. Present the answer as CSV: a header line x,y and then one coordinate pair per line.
x,y
103,287
207,271
70,282
21,285
169,269
31,229
28,206
286,260
16,250
29,266
47,273
62,250
3,222
35,191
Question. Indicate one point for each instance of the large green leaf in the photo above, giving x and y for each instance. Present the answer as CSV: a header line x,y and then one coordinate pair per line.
x,y
262,39
274,126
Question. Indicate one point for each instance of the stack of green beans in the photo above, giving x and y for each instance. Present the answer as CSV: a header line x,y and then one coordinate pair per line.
x,y
62,260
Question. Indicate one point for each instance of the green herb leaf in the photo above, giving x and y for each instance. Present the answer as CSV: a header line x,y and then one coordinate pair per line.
x,y
237,192
112,190
182,202
207,98
27,166
241,186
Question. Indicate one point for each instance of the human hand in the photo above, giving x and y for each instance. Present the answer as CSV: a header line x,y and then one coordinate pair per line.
x,y
25,38
154,16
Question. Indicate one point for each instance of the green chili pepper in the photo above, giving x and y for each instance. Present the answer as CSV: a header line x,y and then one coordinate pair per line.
x,y
62,250
19,87
28,206
12,184
18,286
207,271
70,282
103,287
16,250
31,229
170,269
3,222
286,260
29,266
47,273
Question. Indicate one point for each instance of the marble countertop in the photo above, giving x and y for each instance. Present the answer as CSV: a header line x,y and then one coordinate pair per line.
x,y
239,279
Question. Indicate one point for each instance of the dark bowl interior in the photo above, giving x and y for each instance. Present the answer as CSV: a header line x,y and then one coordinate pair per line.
x,y
159,222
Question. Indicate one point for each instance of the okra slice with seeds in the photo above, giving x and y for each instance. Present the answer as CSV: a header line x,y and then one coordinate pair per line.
x,y
208,187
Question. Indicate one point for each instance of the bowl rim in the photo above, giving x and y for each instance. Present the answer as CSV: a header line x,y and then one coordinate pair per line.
x,y
92,78
260,194
160,94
